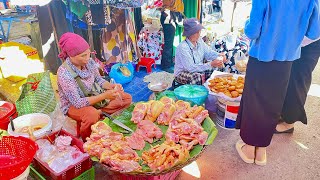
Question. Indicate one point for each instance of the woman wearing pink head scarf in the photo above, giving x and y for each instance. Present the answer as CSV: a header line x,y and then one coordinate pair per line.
x,y
76,53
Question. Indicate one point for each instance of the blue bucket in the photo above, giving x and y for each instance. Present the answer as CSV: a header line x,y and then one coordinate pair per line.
x,y
117,75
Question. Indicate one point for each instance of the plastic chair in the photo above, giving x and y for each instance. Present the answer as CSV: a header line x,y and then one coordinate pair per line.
x,y
146,62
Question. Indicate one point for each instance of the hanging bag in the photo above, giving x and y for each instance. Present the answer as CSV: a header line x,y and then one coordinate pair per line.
x,y
37,95
96,89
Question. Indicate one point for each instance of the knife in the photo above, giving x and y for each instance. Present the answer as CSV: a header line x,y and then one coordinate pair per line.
x,y
117,122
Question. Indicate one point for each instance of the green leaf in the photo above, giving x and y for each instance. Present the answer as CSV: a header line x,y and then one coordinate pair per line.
x,y
146,168
94,159
196,150
211,129
163,129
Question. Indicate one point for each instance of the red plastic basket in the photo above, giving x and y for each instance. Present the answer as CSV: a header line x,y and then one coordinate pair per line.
x,y
72,171
7,111
16,154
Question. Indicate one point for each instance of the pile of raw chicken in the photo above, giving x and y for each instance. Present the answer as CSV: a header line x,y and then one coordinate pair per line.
x,y
184,132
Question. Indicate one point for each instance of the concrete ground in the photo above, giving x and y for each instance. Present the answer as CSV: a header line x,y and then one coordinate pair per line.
x,y
290,156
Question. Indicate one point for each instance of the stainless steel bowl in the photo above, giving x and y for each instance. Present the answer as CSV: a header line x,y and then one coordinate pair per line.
x,y
158,87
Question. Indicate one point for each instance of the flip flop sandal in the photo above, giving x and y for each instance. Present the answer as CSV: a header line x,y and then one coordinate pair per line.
x,y
286,131
239,146
263,162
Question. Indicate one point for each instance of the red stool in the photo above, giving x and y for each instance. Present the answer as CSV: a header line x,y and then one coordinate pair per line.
x,y
146,62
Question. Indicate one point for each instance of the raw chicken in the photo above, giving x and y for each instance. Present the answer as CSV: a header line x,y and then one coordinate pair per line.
x,y
100,128
139,112
136,141
187,132
167,100
201,116
156,108
166,114
194,111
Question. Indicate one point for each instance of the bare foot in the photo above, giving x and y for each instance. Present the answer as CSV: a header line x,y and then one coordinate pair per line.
x,y
248,151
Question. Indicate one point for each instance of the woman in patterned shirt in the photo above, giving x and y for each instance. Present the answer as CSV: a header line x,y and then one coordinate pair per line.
x,y
76,53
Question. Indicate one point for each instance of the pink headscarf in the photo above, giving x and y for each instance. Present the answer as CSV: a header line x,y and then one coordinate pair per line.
x,y
71,45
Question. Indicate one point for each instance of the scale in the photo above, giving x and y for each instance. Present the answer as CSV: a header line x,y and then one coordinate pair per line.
x,y
156,88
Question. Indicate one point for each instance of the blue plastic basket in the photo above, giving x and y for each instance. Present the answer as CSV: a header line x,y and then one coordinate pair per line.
x,y
195,94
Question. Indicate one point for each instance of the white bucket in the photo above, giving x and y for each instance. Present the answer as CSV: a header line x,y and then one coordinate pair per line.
x,y
31,120
227,113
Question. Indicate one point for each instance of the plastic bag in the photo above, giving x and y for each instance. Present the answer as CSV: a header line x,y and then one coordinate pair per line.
x,y
59,120
195,94
241,61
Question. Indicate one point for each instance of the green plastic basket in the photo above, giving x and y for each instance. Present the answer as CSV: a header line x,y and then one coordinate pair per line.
x,y
87,175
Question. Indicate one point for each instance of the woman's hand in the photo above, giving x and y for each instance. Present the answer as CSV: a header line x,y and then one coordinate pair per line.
x,y
216,63
224,57
118,87
111,94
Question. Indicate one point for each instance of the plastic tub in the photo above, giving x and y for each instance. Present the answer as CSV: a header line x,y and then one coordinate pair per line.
x,y
31,120
72,171
227,113
7,111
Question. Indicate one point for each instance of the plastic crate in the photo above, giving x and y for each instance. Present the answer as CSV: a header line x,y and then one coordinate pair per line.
x,y
72,171
87,175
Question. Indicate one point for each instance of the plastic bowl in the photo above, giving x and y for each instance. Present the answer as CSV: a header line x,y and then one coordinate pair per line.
x,y
31,120
158,87
195,94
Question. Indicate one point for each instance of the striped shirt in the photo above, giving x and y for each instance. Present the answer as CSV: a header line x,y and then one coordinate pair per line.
x,y
191,58
69,91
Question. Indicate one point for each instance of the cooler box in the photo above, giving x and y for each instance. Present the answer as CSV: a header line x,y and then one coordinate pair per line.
x,y
7,111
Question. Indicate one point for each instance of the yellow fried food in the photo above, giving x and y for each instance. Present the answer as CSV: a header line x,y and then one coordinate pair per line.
x,y
234,94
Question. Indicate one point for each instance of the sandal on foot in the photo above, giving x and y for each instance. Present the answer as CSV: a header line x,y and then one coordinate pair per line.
x,y
286,131
239,146
262,162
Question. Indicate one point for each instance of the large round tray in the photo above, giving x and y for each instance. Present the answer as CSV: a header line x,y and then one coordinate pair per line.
x,y
178,167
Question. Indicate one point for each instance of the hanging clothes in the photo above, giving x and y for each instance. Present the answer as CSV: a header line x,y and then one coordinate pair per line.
x,y
173,5
230,48
118,38
122,4
138,19
151,43
77,7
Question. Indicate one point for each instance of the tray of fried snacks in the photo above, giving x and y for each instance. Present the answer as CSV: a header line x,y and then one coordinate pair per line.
x,y
168,135
226,85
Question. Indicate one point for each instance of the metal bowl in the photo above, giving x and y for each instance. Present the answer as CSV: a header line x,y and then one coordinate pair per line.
x,y
158,87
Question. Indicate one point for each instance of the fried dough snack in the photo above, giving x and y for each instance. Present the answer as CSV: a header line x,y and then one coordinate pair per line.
x,y
229,85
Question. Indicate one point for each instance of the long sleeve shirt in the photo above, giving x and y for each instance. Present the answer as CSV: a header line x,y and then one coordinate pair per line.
x,y
277,28
69,90
191,58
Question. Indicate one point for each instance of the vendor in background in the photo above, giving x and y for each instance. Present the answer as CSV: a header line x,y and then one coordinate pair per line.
x,y
76,53
171,15
195,60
